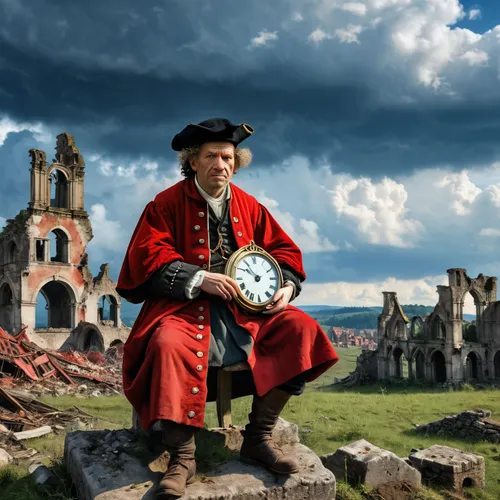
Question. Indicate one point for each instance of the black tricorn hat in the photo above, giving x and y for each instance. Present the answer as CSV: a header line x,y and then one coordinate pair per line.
x,y
213,129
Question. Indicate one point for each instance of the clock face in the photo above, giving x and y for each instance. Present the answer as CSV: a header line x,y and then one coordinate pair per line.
x,y
257,278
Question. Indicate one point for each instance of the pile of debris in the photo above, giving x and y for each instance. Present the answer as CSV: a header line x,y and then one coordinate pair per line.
x,y
26,365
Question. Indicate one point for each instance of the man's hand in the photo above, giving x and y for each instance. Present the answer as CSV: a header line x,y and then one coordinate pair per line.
x,y
280,300
219,284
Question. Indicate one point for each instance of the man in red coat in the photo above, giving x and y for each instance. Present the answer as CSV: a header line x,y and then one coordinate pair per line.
x,y
190,325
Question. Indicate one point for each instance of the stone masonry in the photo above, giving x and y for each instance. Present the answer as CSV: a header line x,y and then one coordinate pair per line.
x,y
108,465
449,468
361,462
474,425
43,260
441,347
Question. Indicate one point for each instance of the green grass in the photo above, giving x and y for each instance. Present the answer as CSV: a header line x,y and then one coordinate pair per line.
x,y
385,415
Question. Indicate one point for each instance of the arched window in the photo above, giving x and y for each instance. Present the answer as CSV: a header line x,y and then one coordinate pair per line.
x,y
59,246
108,309
11,252
6,308
59,190
438,329
58,301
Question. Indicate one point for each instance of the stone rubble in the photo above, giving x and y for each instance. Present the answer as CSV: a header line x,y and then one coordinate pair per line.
x,y
382,470
474,425
449,467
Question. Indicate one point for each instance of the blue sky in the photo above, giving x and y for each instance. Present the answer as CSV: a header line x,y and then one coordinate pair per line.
x,y
376,123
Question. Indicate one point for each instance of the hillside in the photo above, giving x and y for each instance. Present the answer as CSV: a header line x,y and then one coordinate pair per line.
x,y
358,317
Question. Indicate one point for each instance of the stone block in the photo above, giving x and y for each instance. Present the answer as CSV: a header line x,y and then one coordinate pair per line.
x,y
5,458
108,465
363,463
449,467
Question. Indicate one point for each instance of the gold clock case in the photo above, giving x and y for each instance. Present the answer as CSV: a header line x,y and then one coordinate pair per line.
x,y
230,271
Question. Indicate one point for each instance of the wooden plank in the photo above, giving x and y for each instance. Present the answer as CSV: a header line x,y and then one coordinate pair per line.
x,y
224,390
33,433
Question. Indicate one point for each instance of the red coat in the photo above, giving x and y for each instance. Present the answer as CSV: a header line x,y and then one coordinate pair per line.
x,y
165,356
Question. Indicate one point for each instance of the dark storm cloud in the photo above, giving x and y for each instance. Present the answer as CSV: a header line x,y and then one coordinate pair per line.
x,y
123,80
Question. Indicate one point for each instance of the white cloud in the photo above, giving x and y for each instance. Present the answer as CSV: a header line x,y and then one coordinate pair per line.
x,y
263,38
108,234
420,291
305,234
475,57
462,192
377,210
297,17
318,35
356,8
40,132
349,34
2,223
474,14
490,231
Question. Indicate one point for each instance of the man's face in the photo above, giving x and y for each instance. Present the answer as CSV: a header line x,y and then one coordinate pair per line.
x,y
214,166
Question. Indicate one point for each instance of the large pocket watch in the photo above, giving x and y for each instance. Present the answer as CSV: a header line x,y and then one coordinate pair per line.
x,y
257,274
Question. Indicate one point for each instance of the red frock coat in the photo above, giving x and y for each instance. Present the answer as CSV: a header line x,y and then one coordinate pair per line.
x,y
166,355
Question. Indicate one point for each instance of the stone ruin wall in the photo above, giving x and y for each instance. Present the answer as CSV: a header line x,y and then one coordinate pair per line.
x,y
472,425
434,347
30,265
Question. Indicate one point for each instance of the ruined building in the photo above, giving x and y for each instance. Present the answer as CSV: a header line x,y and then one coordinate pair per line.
x,y
441,347
45,282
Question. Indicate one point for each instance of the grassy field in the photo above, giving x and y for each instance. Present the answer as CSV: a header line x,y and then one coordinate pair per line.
x,y
383,415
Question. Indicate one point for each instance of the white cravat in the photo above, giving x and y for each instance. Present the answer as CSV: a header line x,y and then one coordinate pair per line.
x,y
217,205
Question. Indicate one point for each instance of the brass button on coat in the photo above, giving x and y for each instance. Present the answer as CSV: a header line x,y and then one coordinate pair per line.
x,y
240,233
197,228
201,214
201,327
235,219
205,266
199,354
201,308
201,241
199,336
199,368
195,390
201,257
191,414
201,318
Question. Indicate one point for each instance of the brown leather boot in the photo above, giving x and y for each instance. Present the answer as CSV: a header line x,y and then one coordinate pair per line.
x,y
258,447
179,441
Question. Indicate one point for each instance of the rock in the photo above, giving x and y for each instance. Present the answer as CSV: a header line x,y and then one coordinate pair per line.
x,y
107,465
96,394
5,458
3,428
379,469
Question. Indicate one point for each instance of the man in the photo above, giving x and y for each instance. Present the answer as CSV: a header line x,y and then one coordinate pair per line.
x,y
189,325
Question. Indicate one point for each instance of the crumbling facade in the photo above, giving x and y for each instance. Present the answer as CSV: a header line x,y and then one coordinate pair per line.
x,y
45,282
441,347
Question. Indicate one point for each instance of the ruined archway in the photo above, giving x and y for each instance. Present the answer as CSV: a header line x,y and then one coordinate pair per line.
x,y
6,308
417,328
400,330
419,365
60,305
496,363
11,252
472,366
108,309
59,246
400,364
59,189
438,364
438,328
